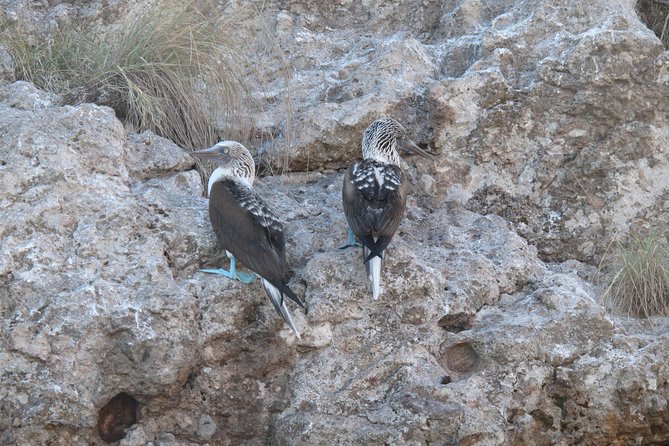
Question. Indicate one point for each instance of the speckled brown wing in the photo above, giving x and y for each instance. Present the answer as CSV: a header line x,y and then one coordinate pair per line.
x,y
249,230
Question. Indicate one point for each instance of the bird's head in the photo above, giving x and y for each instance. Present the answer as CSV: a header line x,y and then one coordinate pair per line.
x,y
231,156
381,139
223,152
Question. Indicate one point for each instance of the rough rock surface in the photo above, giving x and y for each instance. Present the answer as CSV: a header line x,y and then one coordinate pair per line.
x,y
474,341
551,114
40,18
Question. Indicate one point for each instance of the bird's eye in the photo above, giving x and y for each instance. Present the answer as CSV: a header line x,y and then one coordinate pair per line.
x,y
225,151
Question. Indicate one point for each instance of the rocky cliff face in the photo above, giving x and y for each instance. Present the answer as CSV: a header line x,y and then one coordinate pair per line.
x,y
474,341
550,124
549,114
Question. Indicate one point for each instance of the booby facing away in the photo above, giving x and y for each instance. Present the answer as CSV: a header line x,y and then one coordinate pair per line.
x,y
375,190
245,226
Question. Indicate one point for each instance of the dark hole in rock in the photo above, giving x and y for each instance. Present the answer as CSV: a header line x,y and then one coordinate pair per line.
x,y
542,417
461,357
455,323
657,429
559,401
116,416
446,379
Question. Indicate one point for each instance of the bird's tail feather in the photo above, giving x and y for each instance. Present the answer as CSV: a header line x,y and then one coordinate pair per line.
x,y
374,267
276,297
288,292
377,248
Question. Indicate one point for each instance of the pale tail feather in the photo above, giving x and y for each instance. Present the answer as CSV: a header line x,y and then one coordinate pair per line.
x,y
374,267
375,276
280,305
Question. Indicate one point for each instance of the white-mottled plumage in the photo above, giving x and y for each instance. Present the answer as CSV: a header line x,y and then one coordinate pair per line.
x,y
375,191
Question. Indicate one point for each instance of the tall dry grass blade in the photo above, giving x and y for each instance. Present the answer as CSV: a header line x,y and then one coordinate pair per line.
x,y
169,69
655,14
638,277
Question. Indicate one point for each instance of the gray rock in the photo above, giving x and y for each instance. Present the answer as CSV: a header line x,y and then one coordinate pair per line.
x,y
548,122
150,156
136,437
551,116
6,65
165,439
474,339
88,288
40,18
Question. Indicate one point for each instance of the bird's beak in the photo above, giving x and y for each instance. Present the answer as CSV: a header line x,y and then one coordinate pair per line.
x,y
407,144
206,153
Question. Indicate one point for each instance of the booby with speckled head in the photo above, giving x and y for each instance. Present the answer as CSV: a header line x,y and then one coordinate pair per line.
x,y
374,193
245,226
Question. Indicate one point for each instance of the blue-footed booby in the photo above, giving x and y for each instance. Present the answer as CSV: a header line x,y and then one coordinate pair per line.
x,y
245,226
374,194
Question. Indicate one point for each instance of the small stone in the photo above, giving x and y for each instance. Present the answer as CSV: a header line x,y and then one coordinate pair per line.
x,y
6,65
428,183
284,22
135,437
206,427
165,439
587,248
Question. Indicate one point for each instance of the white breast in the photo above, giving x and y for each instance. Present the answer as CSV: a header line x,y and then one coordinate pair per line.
x,y
216,175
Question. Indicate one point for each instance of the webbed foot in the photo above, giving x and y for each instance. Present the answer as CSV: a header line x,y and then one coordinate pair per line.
x,y
352,242
244,278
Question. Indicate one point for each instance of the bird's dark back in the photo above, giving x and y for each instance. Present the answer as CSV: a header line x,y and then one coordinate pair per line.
x,y
248,229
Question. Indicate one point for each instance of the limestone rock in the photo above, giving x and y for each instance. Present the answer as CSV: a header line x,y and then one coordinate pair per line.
x,y
548,119
6,65
551,115
41,18
474,340
90,304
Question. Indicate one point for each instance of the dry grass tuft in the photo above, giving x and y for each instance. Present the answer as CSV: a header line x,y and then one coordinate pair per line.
x,y
655,14
638,272
169,69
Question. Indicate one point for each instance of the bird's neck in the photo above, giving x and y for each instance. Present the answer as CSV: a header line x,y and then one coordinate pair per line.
x,y
387,156
244,175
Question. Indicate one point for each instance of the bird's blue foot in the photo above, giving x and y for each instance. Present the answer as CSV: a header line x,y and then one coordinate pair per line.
x,y
233,274
246,278
352,242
